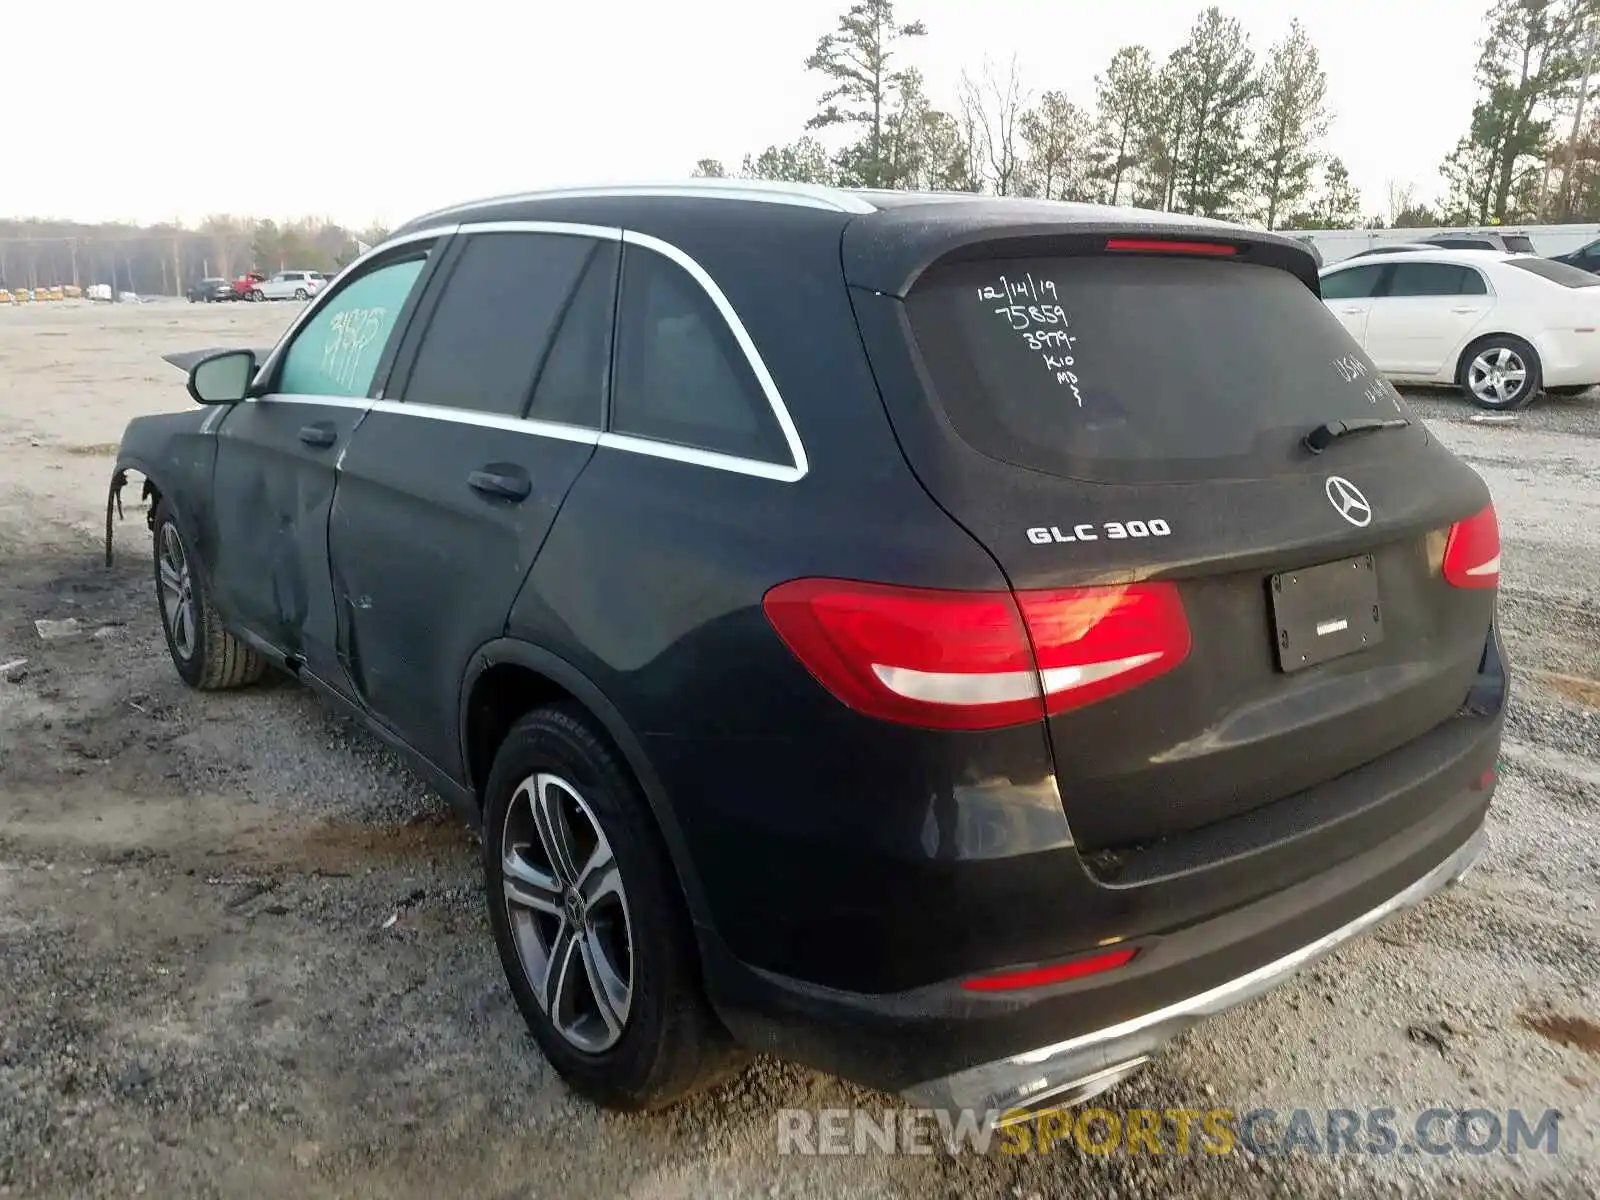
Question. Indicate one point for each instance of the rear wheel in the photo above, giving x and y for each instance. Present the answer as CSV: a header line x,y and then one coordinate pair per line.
x,y
206,655
299,293
591,926
1500,372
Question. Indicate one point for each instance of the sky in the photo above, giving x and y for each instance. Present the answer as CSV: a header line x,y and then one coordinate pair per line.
x,y
364,112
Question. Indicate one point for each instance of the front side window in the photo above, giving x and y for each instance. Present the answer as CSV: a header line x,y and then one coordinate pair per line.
x,y
336,352
1358,283
681,376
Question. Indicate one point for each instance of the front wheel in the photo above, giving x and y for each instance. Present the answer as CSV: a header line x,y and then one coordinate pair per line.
x,y
591,926
207,656
299,293
1499,373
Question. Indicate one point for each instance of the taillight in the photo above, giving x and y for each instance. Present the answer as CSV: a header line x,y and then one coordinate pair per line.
x,y
977,660
1166,246
1011,981
1472,552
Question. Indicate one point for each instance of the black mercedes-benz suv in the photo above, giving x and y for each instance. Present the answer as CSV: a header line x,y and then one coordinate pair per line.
x,y
955,643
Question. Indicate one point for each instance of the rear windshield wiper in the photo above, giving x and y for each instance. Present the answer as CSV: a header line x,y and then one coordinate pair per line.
x,y
1326,434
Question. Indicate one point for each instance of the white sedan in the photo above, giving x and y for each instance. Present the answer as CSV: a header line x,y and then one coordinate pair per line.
x,y
1499,326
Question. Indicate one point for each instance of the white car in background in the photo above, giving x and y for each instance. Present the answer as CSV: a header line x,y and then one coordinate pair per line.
x,y
1499,326
289,285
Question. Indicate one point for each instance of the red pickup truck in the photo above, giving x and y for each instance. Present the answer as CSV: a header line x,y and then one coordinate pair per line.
x,y
243,284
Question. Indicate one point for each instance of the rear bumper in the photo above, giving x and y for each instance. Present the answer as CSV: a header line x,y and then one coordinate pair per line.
x,y
1079,1067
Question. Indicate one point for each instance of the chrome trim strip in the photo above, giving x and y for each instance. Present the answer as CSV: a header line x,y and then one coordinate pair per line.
x,y
435,412
760,191
306,398
787,473
1014,1082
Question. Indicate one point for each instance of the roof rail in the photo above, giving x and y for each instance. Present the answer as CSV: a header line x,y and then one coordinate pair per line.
x,y
807,195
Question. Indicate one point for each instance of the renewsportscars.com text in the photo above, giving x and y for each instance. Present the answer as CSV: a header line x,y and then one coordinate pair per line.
x,y
1176,1131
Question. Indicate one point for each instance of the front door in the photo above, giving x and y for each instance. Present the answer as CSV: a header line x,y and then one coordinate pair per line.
x,y
451,483
277,461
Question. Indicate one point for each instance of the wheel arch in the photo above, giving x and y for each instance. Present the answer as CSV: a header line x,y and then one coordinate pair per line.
x,y
545,677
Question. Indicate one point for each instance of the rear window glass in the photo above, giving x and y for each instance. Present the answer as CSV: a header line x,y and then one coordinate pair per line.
x,y
1555,272
1518,243
1131,369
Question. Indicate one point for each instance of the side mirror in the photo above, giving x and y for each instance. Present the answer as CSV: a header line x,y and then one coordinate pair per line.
x,y
222,378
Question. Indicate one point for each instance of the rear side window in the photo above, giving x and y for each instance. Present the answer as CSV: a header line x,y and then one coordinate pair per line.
x,y
1518,243
571,385
1358,283
1435,279
495,320
1139,369
1556,272
680,376
336,352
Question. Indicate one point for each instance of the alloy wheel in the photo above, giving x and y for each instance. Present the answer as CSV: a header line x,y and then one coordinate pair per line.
x,y
1497,376
177,593
568,912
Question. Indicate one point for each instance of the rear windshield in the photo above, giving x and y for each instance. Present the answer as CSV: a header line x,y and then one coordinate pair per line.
x,y
1556,272
1139,369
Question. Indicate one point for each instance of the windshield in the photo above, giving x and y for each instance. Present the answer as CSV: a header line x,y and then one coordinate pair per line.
x,y
1556,272
1132,369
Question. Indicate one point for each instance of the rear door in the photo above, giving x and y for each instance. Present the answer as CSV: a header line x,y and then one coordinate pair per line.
x,y
1132,424
1348,295
278,453
452,482
1424,312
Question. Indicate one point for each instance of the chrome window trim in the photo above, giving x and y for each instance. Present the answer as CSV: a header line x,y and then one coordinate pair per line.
x,y
583,434
791,472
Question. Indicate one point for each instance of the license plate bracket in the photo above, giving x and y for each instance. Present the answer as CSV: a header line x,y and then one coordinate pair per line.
x,y
1325,612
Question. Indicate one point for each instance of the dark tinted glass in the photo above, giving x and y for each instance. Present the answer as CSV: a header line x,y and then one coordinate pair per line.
x,y
681,377
1518,243
1555,272
1357,283
571,386
1462,243
488,336
1433,279
1139,368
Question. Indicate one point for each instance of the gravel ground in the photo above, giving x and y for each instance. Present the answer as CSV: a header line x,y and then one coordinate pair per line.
x,y
202,992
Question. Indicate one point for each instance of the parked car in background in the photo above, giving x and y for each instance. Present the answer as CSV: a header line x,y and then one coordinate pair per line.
x,y
1499,326
210,290
289,285
1585,258
943,648
244,284
1511,241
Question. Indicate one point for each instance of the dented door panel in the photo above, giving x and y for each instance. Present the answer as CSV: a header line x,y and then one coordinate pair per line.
x,y
274,487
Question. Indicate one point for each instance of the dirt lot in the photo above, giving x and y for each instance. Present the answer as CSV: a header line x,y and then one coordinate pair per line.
x,y
202,992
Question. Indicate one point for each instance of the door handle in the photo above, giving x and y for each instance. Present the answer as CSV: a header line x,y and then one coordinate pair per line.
x,y
501,480
1354,312
321,435
1469,309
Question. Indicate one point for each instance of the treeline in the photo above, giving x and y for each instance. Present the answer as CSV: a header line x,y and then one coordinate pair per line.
x,y
167,259
1212,129
1531,152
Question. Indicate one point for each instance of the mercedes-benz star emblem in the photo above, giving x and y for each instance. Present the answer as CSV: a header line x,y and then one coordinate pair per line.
x,y
1348,501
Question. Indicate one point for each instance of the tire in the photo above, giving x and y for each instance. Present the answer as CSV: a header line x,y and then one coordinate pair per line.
x,y
1476,372
257,297
299,293
207,656
662,1041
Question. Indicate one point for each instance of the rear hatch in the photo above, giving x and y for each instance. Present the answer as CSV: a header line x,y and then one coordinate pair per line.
x,y
1099,412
